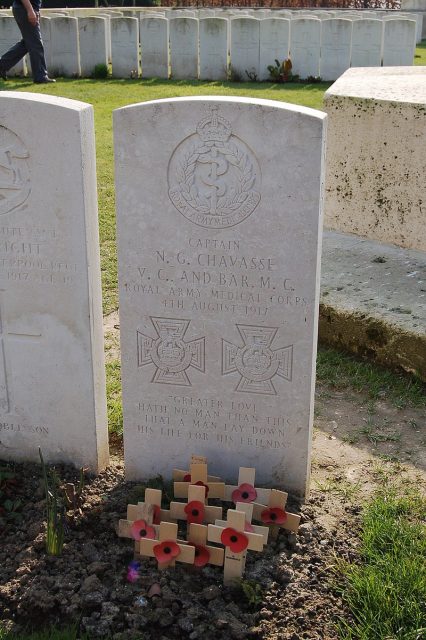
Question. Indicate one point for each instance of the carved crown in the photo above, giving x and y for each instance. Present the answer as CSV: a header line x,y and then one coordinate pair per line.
x,y
214,128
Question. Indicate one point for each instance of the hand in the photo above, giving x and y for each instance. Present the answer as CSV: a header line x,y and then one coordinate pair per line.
x,y
32,18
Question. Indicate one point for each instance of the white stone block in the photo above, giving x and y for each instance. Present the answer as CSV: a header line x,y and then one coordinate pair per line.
x,y
367,42
10,35
274,43
184,48
376,164
218,271
52,375
336,36
65,50
125,47
107,18
93,47
245,47
214,48
154,38
305,46
399,42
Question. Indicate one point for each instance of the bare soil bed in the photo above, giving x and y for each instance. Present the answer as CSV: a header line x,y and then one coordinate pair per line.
x,y
289,591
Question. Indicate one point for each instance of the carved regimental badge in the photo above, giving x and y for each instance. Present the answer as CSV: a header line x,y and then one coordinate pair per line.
x,y
169,353
256,361
14,173
214,178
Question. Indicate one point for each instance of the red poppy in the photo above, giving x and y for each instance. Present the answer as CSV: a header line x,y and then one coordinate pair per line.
x,y
166,551
140,529
202,555
233,539
187,477
244,493
194,512
156,518
199,483
248,527
273,515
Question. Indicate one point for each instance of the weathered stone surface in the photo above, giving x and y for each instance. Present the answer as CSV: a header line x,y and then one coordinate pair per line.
x,y
305,46
64,48
52,378
336,36
366,43
375,183
399,42
274,43
218,260
125,47
213,49
184,47
93,44
154,37
245,48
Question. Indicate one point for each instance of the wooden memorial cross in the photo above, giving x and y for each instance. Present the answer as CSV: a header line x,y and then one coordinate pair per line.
x,y
204,554
274,515
198,473
185,476
195,510
152,497
139,523
236,542
246,491
167,549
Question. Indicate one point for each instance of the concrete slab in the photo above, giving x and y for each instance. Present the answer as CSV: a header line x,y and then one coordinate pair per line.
x,y
373,300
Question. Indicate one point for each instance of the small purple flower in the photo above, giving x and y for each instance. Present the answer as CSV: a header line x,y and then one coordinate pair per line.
x,y
133,571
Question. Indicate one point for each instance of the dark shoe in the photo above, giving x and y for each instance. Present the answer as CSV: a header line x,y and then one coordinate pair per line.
x,y
3,75
44,81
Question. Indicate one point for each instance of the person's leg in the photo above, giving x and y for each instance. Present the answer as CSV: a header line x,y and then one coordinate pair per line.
x,y
33,43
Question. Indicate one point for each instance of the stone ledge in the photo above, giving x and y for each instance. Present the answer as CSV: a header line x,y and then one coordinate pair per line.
x,y
373,301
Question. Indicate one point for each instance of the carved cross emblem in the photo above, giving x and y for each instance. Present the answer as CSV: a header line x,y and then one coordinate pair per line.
x,y
171,355
256,361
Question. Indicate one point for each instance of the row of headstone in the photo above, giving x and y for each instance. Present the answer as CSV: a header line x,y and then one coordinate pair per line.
x,y
215,48
219,283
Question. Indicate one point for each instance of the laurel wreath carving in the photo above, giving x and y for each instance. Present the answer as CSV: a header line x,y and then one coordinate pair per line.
x,y
227,203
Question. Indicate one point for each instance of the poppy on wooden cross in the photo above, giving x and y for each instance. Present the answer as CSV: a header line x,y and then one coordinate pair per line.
x,y
195,510
247,508
274,515
236,541
245,491
204,553
167,549
150,512
198,476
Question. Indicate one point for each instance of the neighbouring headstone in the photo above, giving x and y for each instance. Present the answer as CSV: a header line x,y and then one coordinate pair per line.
x,y
245,43
125,47
336,38
305,46
213,48
65,48
52,377
367,36
376,168
399,42
219,223
154,37
10,35
274,43
93,44
184,48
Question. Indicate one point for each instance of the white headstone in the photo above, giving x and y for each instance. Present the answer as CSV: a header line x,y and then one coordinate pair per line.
x,y
46,34
184,48
93,44
65,50
305,46
367,37
218,239
125,47
108,33
274,43
336,38
399,42
245,44
52,377
10,35
213,48
154,37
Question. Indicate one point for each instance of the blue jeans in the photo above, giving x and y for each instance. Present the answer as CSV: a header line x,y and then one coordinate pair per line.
x,y
31,43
